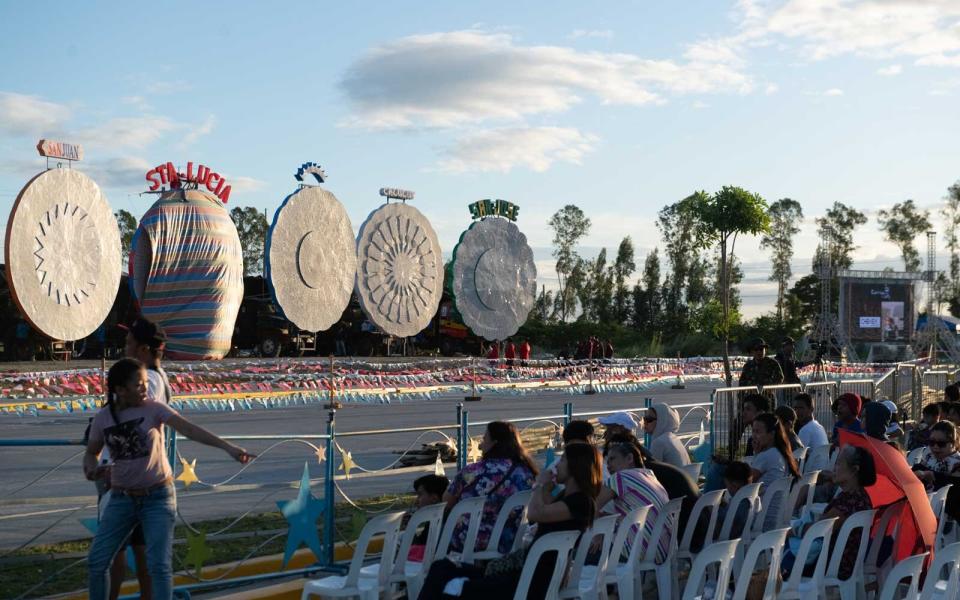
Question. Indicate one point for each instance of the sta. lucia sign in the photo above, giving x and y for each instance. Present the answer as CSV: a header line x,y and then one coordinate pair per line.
x,y
167,175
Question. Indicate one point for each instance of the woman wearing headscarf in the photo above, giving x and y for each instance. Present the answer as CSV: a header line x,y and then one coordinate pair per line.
x,y
847,407
876,420
663,422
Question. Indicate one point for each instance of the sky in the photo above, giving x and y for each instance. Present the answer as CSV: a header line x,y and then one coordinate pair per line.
x,y
620,107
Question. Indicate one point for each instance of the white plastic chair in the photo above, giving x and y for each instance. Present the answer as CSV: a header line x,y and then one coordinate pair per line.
x,y
585,581
772,542
560,542
622,574
803,489
852,588
872,572
711,502
818,458
693,471
813,587
938,502
472,508
667,520
774,497
749,493
916,456
908,568
513,504
719,553
936,585
412,573
834,453
800,455
353,585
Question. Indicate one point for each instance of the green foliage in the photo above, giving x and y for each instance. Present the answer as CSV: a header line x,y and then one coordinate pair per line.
x,y
902,224
569,225
128,226
623,267
842,219
785,217
252,228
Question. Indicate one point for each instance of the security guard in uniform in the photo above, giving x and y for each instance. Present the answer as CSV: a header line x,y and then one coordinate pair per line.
x,y
761,370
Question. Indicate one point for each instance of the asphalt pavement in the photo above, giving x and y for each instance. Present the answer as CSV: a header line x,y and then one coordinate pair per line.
x,y
57,500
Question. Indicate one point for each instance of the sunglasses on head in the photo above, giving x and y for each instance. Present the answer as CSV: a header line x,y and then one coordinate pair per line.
x,y
939,443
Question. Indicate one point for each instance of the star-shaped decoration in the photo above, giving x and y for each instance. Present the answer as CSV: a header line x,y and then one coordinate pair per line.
x,y
474,454
348,463
311,169
197,551
321,454
302,514
92,525
188,475
438,467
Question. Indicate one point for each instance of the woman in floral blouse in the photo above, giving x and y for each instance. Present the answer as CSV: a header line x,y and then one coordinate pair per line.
x,y
942,460
504,469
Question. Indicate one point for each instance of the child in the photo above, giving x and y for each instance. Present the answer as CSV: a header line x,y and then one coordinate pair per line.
x,y
429,490
735,476
920,436
141,480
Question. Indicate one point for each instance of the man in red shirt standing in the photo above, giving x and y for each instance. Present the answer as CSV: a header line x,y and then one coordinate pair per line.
x,y
494,353
524,352
510,353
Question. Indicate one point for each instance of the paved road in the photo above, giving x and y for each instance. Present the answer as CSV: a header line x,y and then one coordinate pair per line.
x,y
26,513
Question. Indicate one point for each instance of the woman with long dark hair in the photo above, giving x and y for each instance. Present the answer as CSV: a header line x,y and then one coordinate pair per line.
x,y
774,457
504,469
141,480
575,509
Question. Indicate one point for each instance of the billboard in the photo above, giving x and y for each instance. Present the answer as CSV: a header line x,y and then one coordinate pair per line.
x,y
877,311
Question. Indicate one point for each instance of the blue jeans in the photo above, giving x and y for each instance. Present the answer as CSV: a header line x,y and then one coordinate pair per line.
x,y
156,514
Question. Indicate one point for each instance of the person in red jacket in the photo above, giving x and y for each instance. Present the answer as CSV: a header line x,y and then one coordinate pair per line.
x,y
494,353
525,352
510,353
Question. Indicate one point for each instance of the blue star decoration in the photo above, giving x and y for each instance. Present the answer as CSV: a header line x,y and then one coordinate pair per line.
x,y
92,525
311,169
302,514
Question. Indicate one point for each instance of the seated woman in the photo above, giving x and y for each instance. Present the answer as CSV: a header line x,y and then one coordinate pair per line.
x,y
630,486
504,469
943,460
855,470
579,472
773,460
662,423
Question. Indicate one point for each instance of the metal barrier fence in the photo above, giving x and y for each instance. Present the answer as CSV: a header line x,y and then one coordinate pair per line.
x,y
727,430
782,395
823,394
333,449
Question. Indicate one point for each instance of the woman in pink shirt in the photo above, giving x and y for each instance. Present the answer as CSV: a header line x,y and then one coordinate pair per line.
x,y
141,479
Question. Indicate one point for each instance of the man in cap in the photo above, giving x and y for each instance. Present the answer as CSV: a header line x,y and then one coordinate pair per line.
x,y
761,370
617,424
788,364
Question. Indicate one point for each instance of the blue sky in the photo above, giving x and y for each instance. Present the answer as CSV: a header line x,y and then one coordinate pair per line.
x,y
619,108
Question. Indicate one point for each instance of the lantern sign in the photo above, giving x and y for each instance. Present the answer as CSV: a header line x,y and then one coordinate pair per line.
x,y
167,175
310,168
494,208
396,194
52,149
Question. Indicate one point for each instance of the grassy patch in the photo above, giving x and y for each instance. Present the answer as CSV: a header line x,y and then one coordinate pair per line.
x,y
64,564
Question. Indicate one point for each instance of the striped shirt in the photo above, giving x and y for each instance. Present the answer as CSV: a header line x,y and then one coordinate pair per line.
x,y
635,488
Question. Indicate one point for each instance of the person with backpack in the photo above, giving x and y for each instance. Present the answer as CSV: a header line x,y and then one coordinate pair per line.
x,y
141,479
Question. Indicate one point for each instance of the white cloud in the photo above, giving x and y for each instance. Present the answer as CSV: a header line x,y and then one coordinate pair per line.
x,y
21,114
501,150
138,101
771,89
461,77
119,172
591,33
197,132
700,104
833,92
245,184
168,87
126,132
890,71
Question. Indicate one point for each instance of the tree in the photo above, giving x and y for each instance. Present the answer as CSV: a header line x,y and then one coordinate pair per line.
x,y
679,224
623,267
647,297
785,215
951,215
599,289
843,220
902,224
542,307
252,228
725,215
128,226
569,225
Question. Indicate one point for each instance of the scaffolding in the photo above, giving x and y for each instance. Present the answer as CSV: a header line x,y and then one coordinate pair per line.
x,y
935,338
